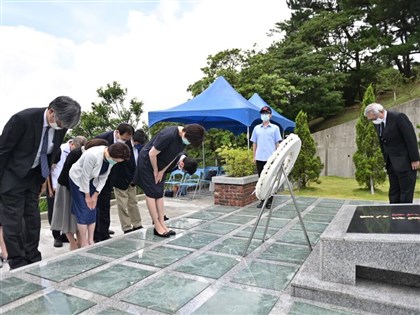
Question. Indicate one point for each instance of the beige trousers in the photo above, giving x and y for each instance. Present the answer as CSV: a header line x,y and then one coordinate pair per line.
x,y
128,210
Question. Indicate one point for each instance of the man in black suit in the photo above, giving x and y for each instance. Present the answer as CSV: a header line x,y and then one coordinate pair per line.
x,y
29,145
122,134
399,147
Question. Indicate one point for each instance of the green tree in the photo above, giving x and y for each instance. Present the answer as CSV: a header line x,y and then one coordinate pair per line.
x,y
108,112
368,157
389,79
395,29
227,63
308,166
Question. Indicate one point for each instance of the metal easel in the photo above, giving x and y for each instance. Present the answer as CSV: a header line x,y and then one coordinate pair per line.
x,y
278,177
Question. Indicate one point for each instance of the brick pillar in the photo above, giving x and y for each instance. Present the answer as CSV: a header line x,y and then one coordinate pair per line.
x,y
234,195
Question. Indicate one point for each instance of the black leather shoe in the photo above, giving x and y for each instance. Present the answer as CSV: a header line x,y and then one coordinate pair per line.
x,y
260,204
111,232
165,234
58,243
165,218
128,231
138,228
171,232
268,205
63,238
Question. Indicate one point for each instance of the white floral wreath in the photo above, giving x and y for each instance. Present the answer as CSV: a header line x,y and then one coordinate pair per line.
x,y
286,155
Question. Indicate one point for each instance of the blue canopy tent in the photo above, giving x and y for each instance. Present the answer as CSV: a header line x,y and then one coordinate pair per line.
x,y
283,122
219,106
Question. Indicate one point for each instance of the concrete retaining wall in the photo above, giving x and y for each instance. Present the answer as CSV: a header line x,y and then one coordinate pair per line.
x,y
336,145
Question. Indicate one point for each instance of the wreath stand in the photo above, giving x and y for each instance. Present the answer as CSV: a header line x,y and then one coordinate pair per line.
x,y
274,174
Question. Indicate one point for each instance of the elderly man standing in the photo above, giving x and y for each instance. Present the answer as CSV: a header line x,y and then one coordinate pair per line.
x,y
399,147
29,145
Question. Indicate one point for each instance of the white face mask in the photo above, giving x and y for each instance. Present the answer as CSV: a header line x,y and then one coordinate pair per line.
x,y
265,117
377,121
55,126
120,141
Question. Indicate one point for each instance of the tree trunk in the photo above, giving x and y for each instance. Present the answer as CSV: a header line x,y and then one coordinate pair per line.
x,y
372,189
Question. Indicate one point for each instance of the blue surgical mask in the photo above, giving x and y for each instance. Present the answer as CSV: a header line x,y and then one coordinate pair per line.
x,y
138,146
185,141
111,161
265,117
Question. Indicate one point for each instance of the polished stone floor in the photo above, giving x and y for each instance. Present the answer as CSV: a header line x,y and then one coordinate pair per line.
x,y
199,271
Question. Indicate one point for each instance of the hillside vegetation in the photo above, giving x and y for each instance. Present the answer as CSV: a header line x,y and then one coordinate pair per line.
x,y
403,94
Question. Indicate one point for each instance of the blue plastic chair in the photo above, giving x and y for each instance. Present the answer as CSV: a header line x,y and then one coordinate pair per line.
x,y
191,181
176,177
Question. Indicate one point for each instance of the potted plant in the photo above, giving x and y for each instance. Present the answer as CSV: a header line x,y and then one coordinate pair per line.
x,y
236,188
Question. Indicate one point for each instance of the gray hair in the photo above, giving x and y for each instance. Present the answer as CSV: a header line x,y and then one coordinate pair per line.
x,y
79,141
375,108
67,111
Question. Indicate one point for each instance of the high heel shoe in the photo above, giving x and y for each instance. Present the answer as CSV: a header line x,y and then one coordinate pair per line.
x,y
171,232
164,234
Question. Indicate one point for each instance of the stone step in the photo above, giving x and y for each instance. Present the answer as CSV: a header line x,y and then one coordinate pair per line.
x,y
368,296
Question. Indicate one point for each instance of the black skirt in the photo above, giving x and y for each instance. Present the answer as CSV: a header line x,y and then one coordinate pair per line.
x,y
145,178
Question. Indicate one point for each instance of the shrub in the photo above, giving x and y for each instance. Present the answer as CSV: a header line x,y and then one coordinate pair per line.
x,y
237,162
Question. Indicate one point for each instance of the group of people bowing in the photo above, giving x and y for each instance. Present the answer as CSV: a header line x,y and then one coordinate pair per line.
x,y
79,176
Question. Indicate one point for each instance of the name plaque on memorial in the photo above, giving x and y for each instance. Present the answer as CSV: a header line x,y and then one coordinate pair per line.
x,y
391,219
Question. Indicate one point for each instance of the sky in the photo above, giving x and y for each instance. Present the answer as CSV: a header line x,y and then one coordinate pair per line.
x,y
153,48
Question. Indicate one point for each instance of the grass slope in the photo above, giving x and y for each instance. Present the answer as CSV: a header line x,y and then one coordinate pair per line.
x,y
404,94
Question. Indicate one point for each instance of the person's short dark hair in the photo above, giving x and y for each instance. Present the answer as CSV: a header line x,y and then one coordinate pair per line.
x,y
66,110
125,128
190,165
119,151
265,110
194,134
140,136
95,142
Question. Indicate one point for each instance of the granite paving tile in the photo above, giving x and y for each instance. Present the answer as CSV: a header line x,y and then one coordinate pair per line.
x,y
167,294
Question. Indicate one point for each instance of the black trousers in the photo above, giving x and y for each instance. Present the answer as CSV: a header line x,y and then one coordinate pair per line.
x,y
401,185
103,216
260,167
21,220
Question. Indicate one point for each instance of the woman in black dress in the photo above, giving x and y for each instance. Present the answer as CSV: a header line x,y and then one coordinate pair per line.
x,y
154,160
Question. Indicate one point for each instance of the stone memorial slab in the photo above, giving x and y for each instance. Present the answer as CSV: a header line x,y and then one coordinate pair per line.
x,y
378,241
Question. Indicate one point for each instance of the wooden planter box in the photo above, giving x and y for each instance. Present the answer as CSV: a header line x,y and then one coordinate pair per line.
x,y
234,191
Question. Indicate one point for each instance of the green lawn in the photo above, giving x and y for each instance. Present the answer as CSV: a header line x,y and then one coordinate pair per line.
x,y
347,188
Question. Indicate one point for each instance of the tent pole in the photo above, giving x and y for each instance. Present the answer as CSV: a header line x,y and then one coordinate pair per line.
x,y
247,135
204,157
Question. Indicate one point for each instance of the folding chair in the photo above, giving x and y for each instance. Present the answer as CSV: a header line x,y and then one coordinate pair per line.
x,y
191,181
176,177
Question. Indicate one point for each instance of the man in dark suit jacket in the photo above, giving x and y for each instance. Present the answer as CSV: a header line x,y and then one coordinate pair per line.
x,y
22,173
122,134
400,150
125,190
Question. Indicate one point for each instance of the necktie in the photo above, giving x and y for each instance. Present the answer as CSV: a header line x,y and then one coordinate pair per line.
x,y
43,159
381,128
